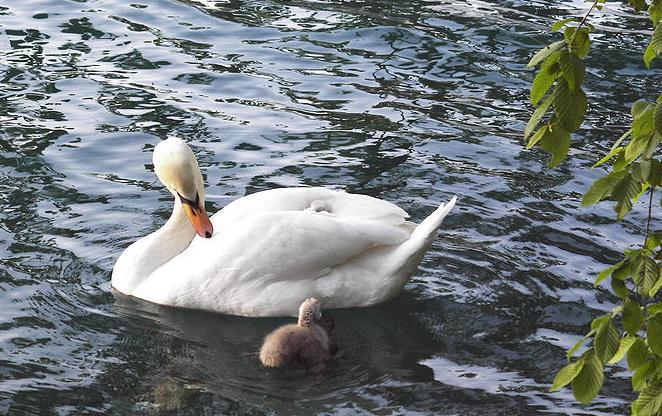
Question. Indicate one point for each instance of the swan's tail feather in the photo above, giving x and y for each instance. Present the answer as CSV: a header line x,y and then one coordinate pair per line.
x,y
427,229
406,258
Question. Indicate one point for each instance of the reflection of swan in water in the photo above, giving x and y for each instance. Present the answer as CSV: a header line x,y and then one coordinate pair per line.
x,y
220,352
265,253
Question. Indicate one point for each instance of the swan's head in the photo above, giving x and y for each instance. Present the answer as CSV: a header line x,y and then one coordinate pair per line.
x,y
310,312
177,168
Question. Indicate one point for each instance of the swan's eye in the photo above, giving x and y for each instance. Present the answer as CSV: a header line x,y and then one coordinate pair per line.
x,y
188,202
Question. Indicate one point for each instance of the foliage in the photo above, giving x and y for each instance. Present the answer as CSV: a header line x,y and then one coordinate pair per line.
x,y
633,330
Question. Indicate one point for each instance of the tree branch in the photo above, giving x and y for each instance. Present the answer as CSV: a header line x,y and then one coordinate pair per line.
x,y
583,21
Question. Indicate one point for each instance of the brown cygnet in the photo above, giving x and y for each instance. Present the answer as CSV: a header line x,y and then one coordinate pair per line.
x,y
306,342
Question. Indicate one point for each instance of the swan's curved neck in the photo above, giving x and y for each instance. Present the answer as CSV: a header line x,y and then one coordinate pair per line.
x,y
149,253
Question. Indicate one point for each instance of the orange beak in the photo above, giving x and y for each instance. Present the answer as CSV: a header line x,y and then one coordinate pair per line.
x,y
200,220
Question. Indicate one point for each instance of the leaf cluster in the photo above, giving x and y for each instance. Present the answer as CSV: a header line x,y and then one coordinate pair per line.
x,y
635,170
556,92
557,85
633,330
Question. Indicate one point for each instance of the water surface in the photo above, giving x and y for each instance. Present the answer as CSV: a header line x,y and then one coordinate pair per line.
x,y
412,102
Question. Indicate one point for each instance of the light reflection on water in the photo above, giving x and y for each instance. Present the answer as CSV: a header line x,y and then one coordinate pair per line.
x,y
410,102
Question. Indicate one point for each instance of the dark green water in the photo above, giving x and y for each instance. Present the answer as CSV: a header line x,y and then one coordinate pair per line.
x,y
411,102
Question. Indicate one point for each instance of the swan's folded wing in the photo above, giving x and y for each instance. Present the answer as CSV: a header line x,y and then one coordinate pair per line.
x,y
365,207
338,203
290,245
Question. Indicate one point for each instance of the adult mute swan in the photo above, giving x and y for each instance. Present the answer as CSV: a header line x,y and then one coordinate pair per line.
x,y
265,253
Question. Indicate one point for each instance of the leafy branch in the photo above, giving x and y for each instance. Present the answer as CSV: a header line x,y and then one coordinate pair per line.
x,y
596,4
633,330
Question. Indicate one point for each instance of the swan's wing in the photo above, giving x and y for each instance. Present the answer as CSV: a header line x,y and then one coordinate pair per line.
x,y
337,203
344,205
292,245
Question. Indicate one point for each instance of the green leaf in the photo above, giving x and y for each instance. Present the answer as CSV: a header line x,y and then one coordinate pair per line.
x,y
615,149
573,69
620,164
537,115
587,384
656,287
607,272
641,375
655,11
637,268
599,321
633,319
652,171
620,139
642,128
644,188
654,273
602,188
649,273
609,155
581,43
556,141
649,55
654,335
649,401
539,134
569,105
642,170
654,240
618,287
545,78
625,191
606,340
645,274
638,5
635,148
623,348
654,309
651,147
647,171
654,47
566,375
632,254
657,118
623,271
640,107
559,24
637,354
542,54
578,345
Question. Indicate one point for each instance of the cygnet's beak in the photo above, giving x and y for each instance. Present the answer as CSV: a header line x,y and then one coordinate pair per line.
x,y
198,216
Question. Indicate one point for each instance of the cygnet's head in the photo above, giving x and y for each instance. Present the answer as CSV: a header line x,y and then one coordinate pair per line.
x,y
177,168
310,312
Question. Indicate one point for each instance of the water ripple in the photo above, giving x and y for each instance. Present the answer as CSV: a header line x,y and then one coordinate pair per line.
x,y
412,102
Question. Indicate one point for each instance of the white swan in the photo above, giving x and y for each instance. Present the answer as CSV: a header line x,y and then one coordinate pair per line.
x,y
273,249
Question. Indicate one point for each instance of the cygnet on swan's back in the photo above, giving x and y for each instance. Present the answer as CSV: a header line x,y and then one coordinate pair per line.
x,y
306,342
